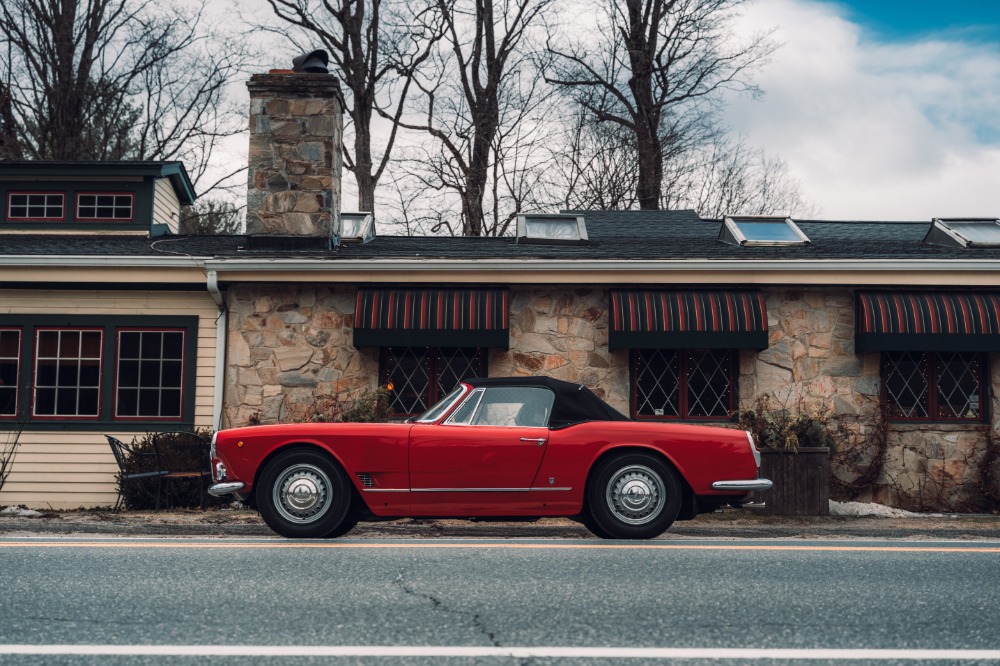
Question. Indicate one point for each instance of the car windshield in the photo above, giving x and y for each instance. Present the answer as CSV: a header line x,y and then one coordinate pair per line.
x,y
440,407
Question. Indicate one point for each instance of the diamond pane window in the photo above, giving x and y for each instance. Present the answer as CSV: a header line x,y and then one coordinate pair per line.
x,y
684,384
758,231
39,207
10,365
67,373
934,386
150,374
421,375
116,207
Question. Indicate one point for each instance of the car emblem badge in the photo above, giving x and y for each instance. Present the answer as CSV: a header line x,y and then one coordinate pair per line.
x,y
552,480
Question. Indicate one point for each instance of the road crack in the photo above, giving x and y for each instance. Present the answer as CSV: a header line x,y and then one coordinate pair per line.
x,y
439,605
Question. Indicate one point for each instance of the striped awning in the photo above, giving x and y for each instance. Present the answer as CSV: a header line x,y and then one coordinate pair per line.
x,y
687,320
927,321
387,317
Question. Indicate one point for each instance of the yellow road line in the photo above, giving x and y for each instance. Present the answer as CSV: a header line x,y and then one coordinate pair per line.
x,y
495,546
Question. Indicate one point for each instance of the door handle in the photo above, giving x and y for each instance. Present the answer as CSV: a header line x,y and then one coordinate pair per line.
x,y
539,441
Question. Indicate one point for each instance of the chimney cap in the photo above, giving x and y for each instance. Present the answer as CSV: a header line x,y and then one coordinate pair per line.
x,y
314,62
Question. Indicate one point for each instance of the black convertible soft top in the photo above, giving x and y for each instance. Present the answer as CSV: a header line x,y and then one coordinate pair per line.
x,y
574,403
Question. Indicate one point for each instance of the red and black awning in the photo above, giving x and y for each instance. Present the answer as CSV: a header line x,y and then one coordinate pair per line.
x,y
648,319
387,317
928,321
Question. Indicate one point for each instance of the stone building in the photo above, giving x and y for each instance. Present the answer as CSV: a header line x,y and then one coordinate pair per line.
x,y
888,333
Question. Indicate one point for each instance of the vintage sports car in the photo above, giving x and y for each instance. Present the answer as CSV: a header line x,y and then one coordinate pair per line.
x,y
511,447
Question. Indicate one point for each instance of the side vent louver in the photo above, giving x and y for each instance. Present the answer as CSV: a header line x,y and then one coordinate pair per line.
x,y
366,480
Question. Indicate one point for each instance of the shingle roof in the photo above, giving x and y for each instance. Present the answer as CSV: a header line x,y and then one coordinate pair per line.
x,y
614,235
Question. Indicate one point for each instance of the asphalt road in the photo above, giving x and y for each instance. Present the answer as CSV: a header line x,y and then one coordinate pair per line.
x,y
557,601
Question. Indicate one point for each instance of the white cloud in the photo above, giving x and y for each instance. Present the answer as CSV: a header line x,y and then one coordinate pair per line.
x,y
876,130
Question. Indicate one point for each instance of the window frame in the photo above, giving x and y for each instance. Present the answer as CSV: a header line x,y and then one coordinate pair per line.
x,y
117,375
29,323
36,343
434,391
732,225
123,220
46,193
930,359
17,383
683,407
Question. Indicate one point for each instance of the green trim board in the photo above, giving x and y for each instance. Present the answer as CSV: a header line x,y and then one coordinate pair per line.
x,y
28,325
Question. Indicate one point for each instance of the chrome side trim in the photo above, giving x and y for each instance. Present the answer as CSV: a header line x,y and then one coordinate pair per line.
x,y
460,490
755,484
220,489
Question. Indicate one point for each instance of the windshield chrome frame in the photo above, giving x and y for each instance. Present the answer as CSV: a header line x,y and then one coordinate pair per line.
x,y
459,395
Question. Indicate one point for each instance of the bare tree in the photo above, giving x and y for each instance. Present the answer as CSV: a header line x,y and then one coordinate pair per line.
x,y
658,68
376,46
115,79
480,103
211,217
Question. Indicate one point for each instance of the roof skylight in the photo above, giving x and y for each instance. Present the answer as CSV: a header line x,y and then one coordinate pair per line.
x,y
761,231
552,229
357,227
967,232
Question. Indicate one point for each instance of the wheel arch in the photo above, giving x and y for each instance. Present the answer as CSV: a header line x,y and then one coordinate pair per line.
x,y
687,498
304,446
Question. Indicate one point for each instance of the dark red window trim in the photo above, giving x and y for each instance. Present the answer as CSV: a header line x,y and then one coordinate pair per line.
x,y
118,347
34,376
9,218
130,195
20,366
932,392
434,390
682,398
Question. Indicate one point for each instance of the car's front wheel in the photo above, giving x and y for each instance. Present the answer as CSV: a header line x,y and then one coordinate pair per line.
x,y
304,494
633,496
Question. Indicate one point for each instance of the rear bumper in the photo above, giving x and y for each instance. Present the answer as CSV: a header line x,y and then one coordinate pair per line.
x,y
745,486
220,489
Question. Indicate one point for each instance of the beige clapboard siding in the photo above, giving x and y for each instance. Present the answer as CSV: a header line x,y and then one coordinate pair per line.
x,y
68,469
166,205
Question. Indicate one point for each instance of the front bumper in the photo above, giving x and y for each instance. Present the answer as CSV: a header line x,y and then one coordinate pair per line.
x,y
220,489
753,484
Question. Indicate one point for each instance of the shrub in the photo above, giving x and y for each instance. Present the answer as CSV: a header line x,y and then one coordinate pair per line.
x,y
777,427
169,454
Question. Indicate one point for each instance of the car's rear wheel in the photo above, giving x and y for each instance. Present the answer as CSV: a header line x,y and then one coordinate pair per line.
x,y
304,494
633,496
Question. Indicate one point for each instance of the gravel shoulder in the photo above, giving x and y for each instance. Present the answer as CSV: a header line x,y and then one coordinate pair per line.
x,y
730,524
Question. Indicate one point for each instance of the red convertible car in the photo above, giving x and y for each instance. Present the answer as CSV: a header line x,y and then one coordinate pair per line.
x,y
511,447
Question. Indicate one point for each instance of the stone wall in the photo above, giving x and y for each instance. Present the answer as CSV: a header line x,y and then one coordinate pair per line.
x,y
290,352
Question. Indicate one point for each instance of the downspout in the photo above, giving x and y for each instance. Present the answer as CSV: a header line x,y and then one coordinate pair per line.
x,y
221,326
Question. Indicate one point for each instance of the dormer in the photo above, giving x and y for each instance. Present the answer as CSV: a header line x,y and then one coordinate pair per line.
x,y
130,198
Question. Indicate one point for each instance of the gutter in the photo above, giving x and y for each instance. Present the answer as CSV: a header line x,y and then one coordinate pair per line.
x,y
543,265
221,328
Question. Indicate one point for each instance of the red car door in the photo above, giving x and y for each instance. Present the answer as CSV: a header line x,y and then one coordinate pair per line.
x,y
475,457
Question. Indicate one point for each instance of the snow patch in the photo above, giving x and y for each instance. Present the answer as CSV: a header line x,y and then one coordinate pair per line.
x,y
870,509
20,511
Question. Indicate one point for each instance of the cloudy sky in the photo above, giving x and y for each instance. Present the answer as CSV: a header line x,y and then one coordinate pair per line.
x,y
882,109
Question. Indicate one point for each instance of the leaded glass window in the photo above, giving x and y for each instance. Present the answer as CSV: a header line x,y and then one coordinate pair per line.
x,y
421,375
682,383
934,386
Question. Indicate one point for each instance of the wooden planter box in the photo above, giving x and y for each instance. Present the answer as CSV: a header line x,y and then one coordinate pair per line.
x,y
801,481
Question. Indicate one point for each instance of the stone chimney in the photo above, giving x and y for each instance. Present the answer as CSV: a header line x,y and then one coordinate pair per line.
x,y
295,159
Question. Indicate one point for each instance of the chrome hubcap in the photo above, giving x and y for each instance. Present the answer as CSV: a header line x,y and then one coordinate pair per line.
x,y
635,495
302,493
